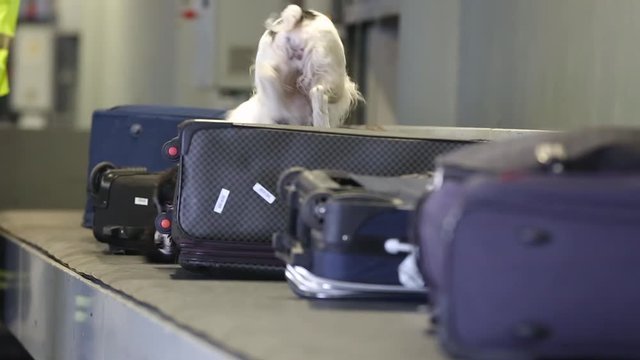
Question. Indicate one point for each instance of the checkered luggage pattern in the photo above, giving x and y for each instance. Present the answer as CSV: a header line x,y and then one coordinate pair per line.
x,y
227,208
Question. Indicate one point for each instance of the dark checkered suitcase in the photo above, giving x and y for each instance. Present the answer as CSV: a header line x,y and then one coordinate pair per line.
x,y
226,204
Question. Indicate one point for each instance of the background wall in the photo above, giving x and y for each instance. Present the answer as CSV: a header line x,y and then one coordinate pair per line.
x,y
43,169
127,54
490,63
428,62
542,64
146,51
141,51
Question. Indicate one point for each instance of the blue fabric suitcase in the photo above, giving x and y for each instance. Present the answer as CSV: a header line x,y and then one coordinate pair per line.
x,y
529,247
348,234
133,135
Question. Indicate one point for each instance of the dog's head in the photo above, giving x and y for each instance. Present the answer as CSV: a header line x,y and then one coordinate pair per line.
x,y
291,40
301,59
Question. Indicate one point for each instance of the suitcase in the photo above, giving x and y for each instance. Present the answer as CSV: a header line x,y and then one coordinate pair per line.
x,y
528,247
348,234
127,203
227,209
132,135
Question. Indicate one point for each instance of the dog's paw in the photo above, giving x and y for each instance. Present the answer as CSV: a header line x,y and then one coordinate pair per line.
x,y
320,106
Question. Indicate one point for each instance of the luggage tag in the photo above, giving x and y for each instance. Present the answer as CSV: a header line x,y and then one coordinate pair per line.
x,y
265,194
408,272
222,200
141,201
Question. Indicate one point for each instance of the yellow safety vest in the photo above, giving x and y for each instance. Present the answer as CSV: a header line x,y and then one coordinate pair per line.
x,y
8,17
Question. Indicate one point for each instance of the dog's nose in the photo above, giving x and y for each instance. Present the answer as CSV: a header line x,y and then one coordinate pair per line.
x,y
294,42
296,49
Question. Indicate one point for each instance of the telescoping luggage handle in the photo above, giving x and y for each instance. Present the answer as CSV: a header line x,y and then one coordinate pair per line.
x,y
609,149
101,177
555,158
551,156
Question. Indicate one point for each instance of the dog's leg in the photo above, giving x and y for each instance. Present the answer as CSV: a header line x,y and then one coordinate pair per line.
x,y
320,106
262,107
269,88
267,81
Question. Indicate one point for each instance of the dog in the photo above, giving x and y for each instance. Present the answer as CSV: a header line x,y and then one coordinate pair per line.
x,y
300,75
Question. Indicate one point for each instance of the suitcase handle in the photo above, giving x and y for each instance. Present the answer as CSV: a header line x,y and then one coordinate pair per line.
x,y
609,149
395,246
95,177
554,157
286,180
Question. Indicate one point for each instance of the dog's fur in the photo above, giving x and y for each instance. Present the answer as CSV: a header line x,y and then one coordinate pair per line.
x,y
300,74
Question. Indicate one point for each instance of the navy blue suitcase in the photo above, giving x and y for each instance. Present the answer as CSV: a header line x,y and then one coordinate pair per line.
x,y
348,234
530,247
133,135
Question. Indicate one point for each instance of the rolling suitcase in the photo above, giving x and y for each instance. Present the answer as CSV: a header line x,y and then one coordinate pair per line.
x,y
127,203
348,234
227,208
529,248
132,135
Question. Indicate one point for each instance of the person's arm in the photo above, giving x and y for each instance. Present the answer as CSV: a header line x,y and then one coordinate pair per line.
x,y
8,18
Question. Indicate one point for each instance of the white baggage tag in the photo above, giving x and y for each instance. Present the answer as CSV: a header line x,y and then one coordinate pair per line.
x,y
222,200
264,193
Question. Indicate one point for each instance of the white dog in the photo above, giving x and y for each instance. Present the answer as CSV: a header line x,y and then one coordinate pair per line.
x,y
300,74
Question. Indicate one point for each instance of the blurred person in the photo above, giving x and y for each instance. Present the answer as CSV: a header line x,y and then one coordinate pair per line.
x,y
8,18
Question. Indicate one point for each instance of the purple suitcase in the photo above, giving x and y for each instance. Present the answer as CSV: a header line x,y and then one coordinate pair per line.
x,y
529,247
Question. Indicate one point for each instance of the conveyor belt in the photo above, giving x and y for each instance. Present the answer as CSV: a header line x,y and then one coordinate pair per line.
x,y
69,299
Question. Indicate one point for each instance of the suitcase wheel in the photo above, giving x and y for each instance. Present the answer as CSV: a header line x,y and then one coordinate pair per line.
x,y
287,178
164,250
313,209
95,177
171,150
163,223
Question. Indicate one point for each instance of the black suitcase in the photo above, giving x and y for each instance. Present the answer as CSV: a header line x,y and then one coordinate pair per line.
x,y
226,209
348,234
127,204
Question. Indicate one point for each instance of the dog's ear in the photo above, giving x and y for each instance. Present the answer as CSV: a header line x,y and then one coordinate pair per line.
x,y
308,15
291,17
270,23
